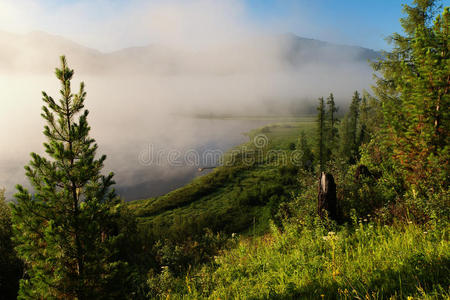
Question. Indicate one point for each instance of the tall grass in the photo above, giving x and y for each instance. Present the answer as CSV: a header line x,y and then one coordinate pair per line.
x,y
365,261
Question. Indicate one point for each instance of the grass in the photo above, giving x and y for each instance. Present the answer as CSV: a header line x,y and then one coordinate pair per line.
x,y
366,261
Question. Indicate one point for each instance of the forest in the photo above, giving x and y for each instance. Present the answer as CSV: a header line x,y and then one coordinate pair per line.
x,y
252,228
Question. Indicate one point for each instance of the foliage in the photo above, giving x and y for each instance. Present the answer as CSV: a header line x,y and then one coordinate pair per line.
x,y
66,232
350,131
414,90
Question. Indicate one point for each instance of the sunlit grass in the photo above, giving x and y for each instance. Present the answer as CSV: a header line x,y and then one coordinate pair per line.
x,y
367,261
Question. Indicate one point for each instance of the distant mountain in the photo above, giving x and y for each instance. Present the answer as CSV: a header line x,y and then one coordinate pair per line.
x,y
302,50
37,52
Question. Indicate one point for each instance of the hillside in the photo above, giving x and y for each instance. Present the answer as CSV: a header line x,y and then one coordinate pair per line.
x,y
234,196
16,55
287,50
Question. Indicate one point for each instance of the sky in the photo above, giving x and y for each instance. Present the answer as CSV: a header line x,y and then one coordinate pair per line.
x,y
356,22
109,25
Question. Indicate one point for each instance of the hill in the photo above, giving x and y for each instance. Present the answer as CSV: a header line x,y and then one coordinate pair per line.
x,y
268,53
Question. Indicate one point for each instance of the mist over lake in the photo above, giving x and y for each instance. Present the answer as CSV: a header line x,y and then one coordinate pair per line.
x,y
147,160
157,166
136,97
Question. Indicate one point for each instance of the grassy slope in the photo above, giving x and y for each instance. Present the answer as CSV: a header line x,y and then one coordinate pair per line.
x,y
308,262
230,198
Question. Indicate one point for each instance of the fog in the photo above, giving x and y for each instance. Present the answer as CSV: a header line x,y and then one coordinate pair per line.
x,y
203,57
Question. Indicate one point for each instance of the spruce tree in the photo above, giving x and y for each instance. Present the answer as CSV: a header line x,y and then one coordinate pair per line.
x,y
353,126
66,230
414,90
364,120
321,134
332,122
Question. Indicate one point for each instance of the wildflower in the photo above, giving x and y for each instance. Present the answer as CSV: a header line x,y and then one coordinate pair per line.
x,y
365,220
425,232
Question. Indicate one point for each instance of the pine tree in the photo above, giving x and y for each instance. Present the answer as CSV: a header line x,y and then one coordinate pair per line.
x,y
364,109
332,121
307,156
370,118
321,134
353,126
66,231
414,89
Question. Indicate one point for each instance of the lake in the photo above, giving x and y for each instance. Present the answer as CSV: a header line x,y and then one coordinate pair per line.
x,y
151,161
155,167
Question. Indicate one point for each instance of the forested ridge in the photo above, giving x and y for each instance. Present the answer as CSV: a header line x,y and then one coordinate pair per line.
x,y
256,228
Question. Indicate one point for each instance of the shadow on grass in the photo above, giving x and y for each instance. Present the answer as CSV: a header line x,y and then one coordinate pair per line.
x,y
418,275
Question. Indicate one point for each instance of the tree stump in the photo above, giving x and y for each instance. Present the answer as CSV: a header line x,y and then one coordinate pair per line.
x,y
327,200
